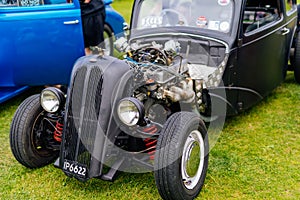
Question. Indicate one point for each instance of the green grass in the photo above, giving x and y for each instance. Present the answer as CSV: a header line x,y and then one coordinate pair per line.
x,y
124,7
258,153
257,156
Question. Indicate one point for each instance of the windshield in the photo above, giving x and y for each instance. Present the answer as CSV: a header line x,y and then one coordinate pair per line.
x,y
206,14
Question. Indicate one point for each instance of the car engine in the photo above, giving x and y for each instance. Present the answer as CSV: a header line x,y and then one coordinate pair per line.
x,y
164,74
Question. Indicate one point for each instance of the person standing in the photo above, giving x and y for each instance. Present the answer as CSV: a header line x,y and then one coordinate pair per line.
x,y
93,18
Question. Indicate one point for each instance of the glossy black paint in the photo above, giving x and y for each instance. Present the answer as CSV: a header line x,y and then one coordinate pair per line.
x,y
258,60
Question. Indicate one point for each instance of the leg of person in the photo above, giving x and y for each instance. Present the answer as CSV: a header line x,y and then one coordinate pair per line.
x,y
93,27
96,37
86,37
87,51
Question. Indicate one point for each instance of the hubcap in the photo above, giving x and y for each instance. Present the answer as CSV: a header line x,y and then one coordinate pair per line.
x,y
192,160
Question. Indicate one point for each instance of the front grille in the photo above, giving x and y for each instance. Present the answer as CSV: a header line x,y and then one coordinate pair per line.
x,y
82,114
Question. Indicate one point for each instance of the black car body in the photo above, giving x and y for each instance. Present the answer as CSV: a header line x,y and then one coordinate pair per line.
x,y
150,112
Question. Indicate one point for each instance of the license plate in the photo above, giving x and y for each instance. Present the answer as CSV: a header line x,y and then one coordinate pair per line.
x,y
75,168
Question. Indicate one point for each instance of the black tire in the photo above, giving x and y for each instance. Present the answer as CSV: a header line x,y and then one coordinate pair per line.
x,y
296,59
108,39
24,143
178,138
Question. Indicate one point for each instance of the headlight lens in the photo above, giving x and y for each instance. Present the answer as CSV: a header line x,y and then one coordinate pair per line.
x,y
51,99
130,111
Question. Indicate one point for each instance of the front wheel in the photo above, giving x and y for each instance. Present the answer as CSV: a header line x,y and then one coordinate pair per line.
x,y
28,135
181,158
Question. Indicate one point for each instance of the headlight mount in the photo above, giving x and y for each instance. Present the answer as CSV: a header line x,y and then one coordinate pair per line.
x,y
130,111
52,99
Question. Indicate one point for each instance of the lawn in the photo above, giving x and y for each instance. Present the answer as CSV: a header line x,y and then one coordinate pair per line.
x,y
257,156
124,8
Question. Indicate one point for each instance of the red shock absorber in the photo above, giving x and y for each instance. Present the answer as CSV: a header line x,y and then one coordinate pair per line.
x,y
58,131
149,142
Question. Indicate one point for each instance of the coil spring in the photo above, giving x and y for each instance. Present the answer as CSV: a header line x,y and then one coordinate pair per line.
x,y
57,135
149,142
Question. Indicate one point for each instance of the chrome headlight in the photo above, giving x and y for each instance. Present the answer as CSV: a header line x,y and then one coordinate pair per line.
x,y
130,111
51,99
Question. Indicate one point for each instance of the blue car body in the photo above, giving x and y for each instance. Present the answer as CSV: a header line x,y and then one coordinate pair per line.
x,y
40,44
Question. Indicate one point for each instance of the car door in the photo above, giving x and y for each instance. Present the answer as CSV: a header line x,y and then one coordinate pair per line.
x,y
291,21
262,50
39,41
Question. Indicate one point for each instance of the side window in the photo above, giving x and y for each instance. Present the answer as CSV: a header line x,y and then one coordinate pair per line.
x,y
30,2
40,2
8,3
290,5
258,14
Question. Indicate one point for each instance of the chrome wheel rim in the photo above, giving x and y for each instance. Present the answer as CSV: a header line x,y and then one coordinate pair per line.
x,y
192,160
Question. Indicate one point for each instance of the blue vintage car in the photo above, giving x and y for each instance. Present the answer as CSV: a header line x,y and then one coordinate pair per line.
x,y
41,39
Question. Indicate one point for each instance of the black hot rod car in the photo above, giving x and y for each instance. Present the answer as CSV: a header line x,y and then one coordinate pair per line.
x,y
187,62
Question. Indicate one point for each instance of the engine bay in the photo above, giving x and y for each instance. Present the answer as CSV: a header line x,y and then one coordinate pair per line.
x,y
175,70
